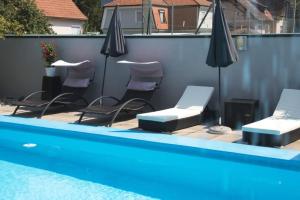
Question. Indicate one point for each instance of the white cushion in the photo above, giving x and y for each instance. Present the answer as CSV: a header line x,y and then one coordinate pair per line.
x,y
192,103
195,97
62,63
168,114
272,125
286,116
289,104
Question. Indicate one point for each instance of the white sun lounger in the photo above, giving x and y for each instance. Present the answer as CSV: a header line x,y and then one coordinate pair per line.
x,y
186,113
282,128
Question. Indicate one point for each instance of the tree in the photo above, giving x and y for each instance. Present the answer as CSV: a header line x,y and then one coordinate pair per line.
x,y
92,9
22,17
9,27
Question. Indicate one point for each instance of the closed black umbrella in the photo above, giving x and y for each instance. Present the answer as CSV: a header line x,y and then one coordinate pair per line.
x,y
222,51
114,44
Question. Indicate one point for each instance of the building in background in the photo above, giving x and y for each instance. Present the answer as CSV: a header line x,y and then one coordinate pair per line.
x,y
286,14
167,16
248,17
188,14
185,16
134,18
64,16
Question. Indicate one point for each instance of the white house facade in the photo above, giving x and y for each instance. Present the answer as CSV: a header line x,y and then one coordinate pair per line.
x,y
66,26
64,16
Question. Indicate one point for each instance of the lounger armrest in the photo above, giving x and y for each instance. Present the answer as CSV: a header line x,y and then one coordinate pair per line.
x,y
33,94
57,98
138,100
127,103
102,98
69,94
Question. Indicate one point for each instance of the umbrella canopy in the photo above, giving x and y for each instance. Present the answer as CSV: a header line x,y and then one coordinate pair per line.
x,y
222,51
114,44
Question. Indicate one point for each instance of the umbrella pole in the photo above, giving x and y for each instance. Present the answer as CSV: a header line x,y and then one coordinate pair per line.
x,y
219,129
103,78
219,99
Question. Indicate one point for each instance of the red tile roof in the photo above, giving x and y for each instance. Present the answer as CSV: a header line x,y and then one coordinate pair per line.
x,y
66,9
159,3
133,3
188,2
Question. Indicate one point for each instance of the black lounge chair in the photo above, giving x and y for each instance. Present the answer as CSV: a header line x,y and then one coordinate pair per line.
x,y
77,80
144,80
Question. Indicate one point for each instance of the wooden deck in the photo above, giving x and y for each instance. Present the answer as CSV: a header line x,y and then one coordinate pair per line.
x,y
200,131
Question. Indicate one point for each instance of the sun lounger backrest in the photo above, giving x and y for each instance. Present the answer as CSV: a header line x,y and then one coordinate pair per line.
x,y
146,70
288,105
145,76
79,75
195,97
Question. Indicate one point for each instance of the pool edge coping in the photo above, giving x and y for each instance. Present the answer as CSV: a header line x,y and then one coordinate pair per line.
x,y
162,139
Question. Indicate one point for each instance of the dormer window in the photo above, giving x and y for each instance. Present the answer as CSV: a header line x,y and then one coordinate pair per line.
x,y
162,16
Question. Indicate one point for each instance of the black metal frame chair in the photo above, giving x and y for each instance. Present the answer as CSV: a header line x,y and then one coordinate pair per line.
x,y
70,93
132,100
64,99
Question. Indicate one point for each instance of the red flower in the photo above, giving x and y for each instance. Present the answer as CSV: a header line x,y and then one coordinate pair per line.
x,y
48,52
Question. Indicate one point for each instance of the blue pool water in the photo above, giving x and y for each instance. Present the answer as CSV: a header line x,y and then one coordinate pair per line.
x,y
42,163
23,182
47,181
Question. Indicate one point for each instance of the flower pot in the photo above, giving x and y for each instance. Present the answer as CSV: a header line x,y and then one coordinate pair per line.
x,y
50,71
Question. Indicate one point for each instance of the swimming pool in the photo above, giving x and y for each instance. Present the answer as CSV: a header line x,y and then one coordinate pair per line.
x,y
50,160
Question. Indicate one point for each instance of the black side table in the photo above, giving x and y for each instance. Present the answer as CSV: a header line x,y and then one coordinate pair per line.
x,y
52,86
239,112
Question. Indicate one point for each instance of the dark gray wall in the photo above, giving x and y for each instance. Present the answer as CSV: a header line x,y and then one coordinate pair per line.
x,y
269,65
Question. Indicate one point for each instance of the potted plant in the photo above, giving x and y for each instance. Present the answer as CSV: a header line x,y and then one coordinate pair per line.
x,y
49,56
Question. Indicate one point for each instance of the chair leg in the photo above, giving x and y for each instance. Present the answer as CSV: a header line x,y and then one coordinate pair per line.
x,y
81,117
43,112
114,117
15,111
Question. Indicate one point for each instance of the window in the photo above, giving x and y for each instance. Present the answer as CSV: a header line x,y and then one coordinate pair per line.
x,y
75,30
139,16
281,30
162,16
